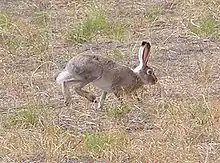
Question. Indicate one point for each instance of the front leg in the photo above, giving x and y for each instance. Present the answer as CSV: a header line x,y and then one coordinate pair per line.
x,y
102,100
119,97
136,95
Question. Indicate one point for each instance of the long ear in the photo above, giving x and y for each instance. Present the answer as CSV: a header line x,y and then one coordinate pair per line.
x,y
143,55
146,52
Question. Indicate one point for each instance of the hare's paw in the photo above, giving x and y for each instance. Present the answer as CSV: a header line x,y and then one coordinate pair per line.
x,y
67,101
100,106
92,98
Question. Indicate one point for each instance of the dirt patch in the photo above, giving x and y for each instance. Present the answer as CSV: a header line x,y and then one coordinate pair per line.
x,y
177,119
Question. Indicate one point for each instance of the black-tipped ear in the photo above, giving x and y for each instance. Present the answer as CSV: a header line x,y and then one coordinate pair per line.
x,y
148,45
145,43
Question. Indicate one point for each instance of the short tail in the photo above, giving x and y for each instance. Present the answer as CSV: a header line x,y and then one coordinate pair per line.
x,y
63,76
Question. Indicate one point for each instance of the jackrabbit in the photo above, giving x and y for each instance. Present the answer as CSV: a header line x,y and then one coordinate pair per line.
x,y
106,74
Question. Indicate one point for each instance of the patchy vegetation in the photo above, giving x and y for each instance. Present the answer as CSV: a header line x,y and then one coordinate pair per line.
x,y
22,119
117,54
5,20
19,35
98,143
41,18
208,27
117,112
153,12
96,24
176,120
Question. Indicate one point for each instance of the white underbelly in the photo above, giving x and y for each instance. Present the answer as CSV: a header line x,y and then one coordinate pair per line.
x,y
103,85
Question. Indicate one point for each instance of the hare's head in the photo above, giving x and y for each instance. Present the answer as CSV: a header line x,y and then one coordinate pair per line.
x,y
143,70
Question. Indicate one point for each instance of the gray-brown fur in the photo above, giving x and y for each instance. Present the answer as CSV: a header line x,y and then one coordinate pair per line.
x,y
106,74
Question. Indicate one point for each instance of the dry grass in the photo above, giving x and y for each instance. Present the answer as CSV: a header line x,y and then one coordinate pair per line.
x,y
177,120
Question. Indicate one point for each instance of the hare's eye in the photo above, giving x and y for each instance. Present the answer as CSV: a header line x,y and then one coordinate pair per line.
x,y
149,71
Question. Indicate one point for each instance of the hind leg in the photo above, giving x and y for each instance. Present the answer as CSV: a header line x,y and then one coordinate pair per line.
x,y
66,93
66,79
65,90
78,89
102,100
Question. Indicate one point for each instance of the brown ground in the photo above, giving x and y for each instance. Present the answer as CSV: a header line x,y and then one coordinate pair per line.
x,y
177,120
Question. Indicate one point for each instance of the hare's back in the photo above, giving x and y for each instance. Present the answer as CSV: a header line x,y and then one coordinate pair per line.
x,y
87,67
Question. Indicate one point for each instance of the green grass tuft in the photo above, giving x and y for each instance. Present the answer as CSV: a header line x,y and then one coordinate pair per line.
x,y
38,42
116,31
41,18
96,24
90,27
207,27
153,12
27,117
200,116
16,34
5,20
97,143
117,54
117,112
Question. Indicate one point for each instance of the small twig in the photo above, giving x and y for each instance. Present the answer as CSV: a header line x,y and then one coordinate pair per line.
x,y
78,143
191,21
169,36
